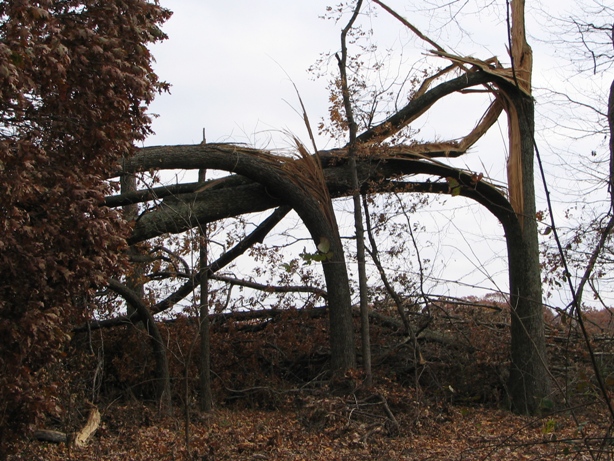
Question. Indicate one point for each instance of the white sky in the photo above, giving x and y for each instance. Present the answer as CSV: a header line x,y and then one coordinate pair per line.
x,y
226,64
230,64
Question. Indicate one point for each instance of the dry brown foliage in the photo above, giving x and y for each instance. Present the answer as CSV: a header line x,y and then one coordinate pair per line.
x,y
273,401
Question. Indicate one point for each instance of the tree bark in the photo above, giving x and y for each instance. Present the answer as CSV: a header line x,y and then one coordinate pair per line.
x,y
529,383
279,180
162,370
131,212
205,397
359,229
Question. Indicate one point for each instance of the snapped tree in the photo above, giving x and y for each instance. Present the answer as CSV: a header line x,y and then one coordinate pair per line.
x,y
264,181
307,183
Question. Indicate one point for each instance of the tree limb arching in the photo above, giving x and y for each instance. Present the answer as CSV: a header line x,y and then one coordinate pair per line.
x,y
372,171
302,187
386,164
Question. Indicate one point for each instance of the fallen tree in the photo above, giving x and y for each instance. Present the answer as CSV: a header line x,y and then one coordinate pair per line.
x,y
260,180
236,195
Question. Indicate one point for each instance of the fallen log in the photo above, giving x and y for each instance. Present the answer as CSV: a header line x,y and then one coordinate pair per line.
x,y
78,439
45,435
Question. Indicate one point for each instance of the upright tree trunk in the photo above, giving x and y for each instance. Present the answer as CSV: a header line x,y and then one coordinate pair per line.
x,y
131,213
529,382
205,398
358,226
365,333
611,126
135,305
609,227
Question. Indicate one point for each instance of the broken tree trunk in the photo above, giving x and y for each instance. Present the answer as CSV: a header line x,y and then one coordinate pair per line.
x,y
302,186
529,382
78,439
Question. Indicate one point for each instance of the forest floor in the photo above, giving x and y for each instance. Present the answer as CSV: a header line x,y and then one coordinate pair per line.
x,y
441,399
318,432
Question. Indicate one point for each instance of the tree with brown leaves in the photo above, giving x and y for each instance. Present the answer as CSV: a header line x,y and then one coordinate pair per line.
x,y
75,82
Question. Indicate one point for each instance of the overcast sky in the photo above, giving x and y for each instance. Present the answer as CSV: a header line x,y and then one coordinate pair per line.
x,y
228,66
231,66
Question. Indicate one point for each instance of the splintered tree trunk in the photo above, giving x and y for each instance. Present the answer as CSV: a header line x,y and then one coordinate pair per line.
x,y
528,383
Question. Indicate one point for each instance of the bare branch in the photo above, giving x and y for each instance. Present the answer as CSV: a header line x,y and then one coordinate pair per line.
x,y
270,288
410,26
256,236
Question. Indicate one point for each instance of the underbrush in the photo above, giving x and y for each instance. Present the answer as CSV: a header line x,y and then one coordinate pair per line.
x,y
450,370
456,359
